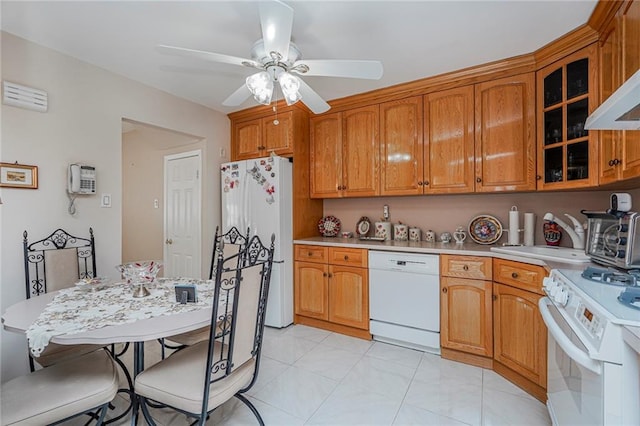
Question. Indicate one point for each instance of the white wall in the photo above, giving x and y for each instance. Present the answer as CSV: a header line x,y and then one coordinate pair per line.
x,y
83,124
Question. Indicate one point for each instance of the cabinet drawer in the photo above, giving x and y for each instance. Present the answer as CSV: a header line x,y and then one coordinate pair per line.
x,y
520,275
465,267
348,256
306,253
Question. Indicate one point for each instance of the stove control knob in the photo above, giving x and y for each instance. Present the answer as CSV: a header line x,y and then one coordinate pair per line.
x,y
623,227
620,254
622,241
547,283
562,297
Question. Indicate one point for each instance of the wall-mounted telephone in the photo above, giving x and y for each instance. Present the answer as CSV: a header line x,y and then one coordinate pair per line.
x,y
82,179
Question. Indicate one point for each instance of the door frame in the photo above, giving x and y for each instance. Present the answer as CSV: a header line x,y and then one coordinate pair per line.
x,y
197,241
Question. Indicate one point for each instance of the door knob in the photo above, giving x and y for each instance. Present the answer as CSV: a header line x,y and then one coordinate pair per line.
x,y
169,241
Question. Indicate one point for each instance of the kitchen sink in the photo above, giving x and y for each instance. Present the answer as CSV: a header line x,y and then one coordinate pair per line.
x,y
556,254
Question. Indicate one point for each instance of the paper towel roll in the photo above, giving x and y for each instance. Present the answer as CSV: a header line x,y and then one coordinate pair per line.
x,y
514,226
529,228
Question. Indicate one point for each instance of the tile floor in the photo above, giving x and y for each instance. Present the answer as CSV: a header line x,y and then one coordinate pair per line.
x,y
314,377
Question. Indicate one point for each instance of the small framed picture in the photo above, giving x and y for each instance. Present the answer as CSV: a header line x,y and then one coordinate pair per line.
x,y
18,176
186,293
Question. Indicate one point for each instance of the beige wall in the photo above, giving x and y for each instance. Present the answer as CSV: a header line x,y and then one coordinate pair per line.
x,y
445,212
83,124
143,152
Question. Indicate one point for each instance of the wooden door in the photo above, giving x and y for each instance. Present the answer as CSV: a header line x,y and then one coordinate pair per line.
x,y
247,137
361,152
311,296
278,138
449,141
349,296
466,322
401,147
505,134
520,336
630,161
326,155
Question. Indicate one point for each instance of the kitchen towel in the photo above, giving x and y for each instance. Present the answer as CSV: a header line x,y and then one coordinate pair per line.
x,y
514,226
529,228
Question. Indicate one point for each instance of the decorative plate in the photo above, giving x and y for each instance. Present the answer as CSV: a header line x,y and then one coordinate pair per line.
x,y
485,229
363,226
329,226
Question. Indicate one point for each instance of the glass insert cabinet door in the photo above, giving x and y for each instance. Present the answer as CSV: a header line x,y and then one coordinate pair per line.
x,y
567,94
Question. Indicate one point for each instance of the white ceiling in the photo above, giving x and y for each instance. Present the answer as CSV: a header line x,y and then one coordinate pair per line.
x,y
413,39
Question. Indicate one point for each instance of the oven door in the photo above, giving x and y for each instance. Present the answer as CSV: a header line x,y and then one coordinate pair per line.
x,y
575,381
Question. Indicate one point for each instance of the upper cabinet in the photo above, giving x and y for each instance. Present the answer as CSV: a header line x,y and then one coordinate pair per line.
x,y
345,153
567,94
262,136
619,157
505,134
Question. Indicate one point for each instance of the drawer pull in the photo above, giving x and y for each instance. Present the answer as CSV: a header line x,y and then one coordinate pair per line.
x,y
444,290
465,267
346,257
514,275
310,254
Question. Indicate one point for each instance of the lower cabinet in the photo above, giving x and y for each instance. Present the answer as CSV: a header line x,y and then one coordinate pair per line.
x,y
331,289
519,333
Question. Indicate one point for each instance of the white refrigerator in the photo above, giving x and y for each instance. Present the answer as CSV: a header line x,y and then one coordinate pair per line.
x,y
257,194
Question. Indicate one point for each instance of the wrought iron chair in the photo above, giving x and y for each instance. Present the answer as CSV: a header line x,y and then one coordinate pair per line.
x,y
228,362
52,395
53,263
233,242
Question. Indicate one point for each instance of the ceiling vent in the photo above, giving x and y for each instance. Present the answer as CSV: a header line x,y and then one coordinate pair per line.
x,y
24,97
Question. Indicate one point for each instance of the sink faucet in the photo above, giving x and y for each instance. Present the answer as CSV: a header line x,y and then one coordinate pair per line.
x,y
576,234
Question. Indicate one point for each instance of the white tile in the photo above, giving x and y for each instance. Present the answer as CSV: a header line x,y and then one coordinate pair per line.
x,y
269,370
397,354
384,377
504,409
410,415
329,362
454,399
297,392
235,413
348,343
350,406
287,348
492,380
309,333
436,370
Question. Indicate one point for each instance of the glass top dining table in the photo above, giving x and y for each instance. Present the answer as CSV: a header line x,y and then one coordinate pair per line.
x,y
110,315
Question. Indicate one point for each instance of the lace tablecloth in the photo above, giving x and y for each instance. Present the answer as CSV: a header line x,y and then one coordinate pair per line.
x,y
76,310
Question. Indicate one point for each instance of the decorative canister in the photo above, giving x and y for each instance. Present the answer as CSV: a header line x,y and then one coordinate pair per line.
x,y
383,230
445,237
400,232
430,236
459,235
415,234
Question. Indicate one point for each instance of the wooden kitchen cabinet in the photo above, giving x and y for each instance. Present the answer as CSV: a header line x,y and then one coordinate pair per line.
x,y
345,153
619,151
505,149
519,333
466,319
331,287
567,94
260,137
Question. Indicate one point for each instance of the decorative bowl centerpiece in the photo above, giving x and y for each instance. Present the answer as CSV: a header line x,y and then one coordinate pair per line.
x,y
140,273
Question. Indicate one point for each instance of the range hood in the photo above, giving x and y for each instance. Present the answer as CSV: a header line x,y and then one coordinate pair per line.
x,y
621,111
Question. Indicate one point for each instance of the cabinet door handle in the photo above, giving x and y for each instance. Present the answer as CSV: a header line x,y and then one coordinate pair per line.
x,y
514,275
616,162
330,275
419,183
324,274
444,290
168,241
538,177
478,180
465,267
426,182
611,163
494,297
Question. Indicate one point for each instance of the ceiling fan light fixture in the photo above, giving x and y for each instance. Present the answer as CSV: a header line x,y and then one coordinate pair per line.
x,y
261,87
290,86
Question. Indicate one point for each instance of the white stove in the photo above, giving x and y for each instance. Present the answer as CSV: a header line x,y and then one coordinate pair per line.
x,y
593,376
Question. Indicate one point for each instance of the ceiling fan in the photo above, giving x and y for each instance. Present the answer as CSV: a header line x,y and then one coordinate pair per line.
x,y
280,61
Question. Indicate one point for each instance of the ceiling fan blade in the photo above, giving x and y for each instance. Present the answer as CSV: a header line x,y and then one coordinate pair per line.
x,y
371,70
311,99
276,19
238,97
207,56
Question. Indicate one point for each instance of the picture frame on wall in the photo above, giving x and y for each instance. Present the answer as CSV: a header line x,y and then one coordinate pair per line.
x,y
14,175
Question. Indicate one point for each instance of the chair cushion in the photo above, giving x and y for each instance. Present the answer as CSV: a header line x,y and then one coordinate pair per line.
x,y
62,390
55,353
191,337
178,381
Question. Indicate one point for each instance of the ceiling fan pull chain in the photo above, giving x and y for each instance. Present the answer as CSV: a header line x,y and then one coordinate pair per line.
x,y
275,109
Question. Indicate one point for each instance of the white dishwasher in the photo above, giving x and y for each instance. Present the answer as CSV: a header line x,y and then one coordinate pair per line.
x,y
404,299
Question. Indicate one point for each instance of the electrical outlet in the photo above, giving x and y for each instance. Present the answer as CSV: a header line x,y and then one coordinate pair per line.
x,y
223,153
156,203
385,212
